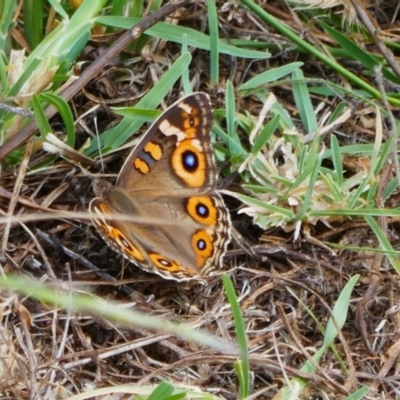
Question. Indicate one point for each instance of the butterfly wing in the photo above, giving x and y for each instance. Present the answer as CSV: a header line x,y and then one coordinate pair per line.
x,y
175,155
177,224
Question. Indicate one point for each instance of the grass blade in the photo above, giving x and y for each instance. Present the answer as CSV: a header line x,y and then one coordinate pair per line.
x,y
242,367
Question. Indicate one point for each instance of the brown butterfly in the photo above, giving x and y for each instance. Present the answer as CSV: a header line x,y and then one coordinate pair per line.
x,y
170,176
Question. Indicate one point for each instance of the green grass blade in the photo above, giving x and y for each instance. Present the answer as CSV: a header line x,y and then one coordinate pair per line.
x,y
138,45
33,21
269,76
384,243
377,152
337,160
243,367
187,87
137,113
231,121
162,391
137,8
355,52
7,9
352,50
359,394
174,33
181,395
59,9
351,212
110,310
310,189
339,313
43,124
390,188
268,130
214,41
3,77
65,113
234,145
303,102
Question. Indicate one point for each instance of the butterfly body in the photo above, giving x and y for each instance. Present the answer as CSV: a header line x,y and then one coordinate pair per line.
x,y
180,226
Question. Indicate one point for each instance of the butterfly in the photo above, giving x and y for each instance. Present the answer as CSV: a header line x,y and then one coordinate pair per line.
x,y
168,183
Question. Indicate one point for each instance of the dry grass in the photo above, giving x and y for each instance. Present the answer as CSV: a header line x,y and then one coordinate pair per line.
x,y
286,286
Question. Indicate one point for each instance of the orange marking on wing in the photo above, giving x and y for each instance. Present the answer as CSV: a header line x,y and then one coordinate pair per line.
x,y
165,264
191,124
141,166
197,177
202,244
202,210
127,246
154,149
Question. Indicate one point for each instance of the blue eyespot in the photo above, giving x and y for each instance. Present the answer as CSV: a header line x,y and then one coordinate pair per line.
x,y
201,244
202,210
190,160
